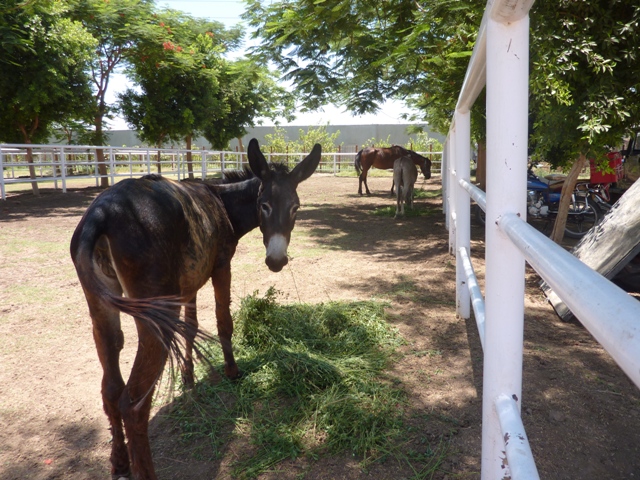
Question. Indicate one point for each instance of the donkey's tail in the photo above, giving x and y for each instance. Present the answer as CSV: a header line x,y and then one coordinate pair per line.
x,y
357,164
160,315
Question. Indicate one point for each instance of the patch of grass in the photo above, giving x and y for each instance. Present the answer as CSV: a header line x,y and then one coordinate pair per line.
x,y
28,294
416,211
405,287
314,384
347,173
427,353
422,193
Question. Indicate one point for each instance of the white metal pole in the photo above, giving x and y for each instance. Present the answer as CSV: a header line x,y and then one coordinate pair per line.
x,y
203,158
112,165
451,194
516,443
2,189
96,169
444,174
63,170
507,106
463,223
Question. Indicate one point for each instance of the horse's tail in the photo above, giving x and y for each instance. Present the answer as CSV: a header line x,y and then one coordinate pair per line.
x,y
357,164
161,315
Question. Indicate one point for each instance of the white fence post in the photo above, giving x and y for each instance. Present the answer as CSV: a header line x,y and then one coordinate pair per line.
x,y
203,159
451,190
63,169
2,191
463,224
112,166
507,70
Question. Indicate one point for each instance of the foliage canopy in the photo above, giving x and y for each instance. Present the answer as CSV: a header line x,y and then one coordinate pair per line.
x,y
584,86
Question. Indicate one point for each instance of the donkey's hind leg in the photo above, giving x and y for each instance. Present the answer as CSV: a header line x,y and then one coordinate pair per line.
x,y
109,342
135,401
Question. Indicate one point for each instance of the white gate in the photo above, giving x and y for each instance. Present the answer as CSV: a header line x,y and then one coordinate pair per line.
x,y
500,61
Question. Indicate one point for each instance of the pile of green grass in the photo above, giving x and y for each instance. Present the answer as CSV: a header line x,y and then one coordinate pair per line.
x,y
313,385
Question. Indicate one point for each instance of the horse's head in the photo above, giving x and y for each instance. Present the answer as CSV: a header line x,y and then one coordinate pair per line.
x,y
278,201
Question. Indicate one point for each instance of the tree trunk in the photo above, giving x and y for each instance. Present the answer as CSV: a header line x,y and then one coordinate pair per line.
x,y
565,198
159,161
481,167
189,158
241,149
32,172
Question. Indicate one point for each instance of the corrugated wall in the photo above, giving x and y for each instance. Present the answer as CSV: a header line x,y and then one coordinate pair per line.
x,y
351,136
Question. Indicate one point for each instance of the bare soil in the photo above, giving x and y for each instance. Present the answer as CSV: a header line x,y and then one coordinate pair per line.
x,y
581,413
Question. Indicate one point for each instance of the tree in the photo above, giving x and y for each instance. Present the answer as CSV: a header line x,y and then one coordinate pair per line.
x,y
116,26
176,68
44,82
412,51
279,142
416,52
584,82
186,87
248,91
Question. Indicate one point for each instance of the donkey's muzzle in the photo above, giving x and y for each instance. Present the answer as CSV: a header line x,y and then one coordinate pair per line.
x,y
277,253
275,265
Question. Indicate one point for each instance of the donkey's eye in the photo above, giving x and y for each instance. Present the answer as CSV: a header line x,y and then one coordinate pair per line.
x,y
266,208
294,210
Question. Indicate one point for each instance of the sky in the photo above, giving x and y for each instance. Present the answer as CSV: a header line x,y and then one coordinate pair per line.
x,y
228,12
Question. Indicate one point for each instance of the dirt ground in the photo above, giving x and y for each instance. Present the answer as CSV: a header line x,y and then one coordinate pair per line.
x,y
581,413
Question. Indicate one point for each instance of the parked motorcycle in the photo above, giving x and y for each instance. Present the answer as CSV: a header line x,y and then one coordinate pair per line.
x,y
543,197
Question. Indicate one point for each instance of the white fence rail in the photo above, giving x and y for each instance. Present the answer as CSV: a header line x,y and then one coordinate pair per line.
x,y
500,61
59,164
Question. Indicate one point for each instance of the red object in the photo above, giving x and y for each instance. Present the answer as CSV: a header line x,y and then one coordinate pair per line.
x,y
615,162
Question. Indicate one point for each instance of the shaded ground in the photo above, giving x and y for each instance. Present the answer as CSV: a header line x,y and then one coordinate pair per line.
x,y
581,413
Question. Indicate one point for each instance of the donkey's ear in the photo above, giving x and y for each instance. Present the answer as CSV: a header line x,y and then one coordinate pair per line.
x,y
307,166
257,162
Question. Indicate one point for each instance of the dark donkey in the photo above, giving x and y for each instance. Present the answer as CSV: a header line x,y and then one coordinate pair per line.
x,y
157,241
383,158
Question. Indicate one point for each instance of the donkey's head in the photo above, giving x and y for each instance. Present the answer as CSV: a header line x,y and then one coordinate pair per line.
x,y
423,162
278,201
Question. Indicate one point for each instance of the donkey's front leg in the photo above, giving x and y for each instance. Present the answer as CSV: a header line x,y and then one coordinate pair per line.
x,y
221,281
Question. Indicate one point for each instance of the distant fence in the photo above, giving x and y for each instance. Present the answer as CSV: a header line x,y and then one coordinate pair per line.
x,y
60,164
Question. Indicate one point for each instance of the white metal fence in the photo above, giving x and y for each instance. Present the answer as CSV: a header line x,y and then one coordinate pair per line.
x,y
60,164
500,61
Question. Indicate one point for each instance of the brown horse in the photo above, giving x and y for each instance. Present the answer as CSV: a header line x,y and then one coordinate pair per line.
x,y
144,247
383,158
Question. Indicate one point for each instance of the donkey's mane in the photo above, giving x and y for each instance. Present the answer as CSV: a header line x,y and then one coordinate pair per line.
x,y
238,176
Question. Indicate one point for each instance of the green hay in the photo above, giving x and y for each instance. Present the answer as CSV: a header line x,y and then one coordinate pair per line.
x,y
313,385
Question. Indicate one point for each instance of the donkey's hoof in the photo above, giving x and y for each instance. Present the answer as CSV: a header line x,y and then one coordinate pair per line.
x,y
234,373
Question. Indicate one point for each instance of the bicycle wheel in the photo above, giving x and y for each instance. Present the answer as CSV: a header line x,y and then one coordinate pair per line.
x,y
582,217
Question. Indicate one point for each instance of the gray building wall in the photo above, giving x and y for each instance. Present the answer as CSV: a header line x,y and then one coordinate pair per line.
x,y
352,137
